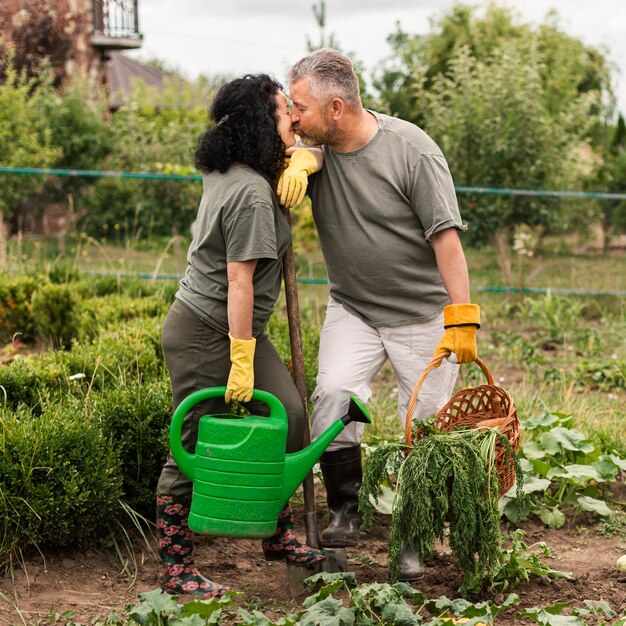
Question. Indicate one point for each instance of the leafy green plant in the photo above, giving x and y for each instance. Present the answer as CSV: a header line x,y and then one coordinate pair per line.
x,y
156,608
518,565
563,473
384,603
446,476
553,615
554,315
605,372
517,347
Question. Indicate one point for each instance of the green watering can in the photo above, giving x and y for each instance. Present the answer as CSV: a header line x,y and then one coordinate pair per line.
x,y
241,475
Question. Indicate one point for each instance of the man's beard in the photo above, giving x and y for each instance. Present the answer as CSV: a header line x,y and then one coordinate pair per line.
x,y
317,137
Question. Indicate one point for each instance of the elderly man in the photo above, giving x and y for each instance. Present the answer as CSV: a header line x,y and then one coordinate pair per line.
x,y
388,222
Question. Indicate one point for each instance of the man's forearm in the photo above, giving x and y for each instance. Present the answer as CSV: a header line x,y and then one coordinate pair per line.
x,y
452,265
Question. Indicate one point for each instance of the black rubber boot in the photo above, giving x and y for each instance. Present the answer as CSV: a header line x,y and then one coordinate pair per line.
x,y
342,474
411,567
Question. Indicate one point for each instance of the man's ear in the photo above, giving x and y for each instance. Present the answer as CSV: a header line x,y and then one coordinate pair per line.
x,y
337,108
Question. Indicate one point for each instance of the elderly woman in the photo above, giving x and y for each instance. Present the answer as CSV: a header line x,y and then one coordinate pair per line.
x,y
214,332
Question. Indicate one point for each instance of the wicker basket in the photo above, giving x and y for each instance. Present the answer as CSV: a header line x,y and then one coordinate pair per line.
x,y
482,406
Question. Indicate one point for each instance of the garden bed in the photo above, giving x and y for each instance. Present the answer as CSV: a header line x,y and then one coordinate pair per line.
x,y
91,584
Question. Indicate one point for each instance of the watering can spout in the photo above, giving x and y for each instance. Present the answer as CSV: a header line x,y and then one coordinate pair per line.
x,y
299,464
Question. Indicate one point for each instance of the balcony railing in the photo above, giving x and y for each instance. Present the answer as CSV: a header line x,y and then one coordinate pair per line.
x,y
116,24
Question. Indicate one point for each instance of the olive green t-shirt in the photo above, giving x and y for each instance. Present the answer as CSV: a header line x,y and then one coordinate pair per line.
x,y
375,210
238,219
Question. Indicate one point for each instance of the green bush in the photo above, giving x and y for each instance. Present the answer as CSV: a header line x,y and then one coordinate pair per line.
x,y
61,480
98,313
125,353
15,307
99,286
136,418
19,383
25,140
56,311
62,273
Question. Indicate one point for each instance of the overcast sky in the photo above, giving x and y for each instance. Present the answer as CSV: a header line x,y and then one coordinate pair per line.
x,y
240,36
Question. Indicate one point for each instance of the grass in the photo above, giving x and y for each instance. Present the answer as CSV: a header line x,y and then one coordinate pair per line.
x,y
552,352
165,256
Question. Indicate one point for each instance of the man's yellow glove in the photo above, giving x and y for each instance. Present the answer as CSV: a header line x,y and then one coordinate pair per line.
x,y
293,181
461,322
241,379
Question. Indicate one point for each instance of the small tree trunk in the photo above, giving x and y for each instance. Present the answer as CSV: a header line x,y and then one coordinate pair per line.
x,y
3,243
501,241
606,232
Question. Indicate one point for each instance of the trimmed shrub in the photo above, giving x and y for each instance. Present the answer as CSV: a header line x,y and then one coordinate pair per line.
x,y
61,480
15,307
99,313
28,381
126,353
56,311
136,417
62,273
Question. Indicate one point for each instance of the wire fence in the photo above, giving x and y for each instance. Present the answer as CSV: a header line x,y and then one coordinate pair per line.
x,y
500,191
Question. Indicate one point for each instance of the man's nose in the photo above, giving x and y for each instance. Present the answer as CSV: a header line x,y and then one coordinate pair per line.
x,y
295,116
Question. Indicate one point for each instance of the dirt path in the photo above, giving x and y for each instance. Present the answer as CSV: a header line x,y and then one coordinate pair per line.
x,y
92,583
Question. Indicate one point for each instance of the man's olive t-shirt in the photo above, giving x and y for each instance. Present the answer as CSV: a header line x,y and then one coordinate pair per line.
x,y
238,220
375,210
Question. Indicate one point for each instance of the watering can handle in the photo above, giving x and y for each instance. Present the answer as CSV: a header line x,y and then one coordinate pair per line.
x,y
185,460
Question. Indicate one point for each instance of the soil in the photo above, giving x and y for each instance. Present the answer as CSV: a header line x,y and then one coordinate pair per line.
x,y
93,583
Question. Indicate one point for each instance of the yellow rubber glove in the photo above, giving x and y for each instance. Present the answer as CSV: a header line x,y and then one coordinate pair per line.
x,y
293,181
461,322
241,379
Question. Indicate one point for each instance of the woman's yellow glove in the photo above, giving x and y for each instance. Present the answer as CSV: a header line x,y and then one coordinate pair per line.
x,y
293,181
241,379
461,322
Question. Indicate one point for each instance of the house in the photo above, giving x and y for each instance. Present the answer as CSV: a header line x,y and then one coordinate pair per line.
x,y
78,36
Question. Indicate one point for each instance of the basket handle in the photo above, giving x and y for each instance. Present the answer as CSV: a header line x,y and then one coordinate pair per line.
x,y
435,362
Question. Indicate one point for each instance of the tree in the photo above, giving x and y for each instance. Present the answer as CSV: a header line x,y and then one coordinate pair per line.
x,y
567,67
319,11
153,131
25,141
511,105
76,118
494,125
612,178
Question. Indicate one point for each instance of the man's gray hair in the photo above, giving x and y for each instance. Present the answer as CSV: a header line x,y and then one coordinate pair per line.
x,y
330,74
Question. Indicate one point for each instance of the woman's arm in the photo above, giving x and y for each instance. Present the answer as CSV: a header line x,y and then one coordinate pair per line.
x,y
240,308
240,298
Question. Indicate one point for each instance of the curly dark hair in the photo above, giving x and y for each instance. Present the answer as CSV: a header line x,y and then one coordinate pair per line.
x,y
246,128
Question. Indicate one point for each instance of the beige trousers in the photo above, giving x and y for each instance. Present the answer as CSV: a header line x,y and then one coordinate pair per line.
x,y
353,352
